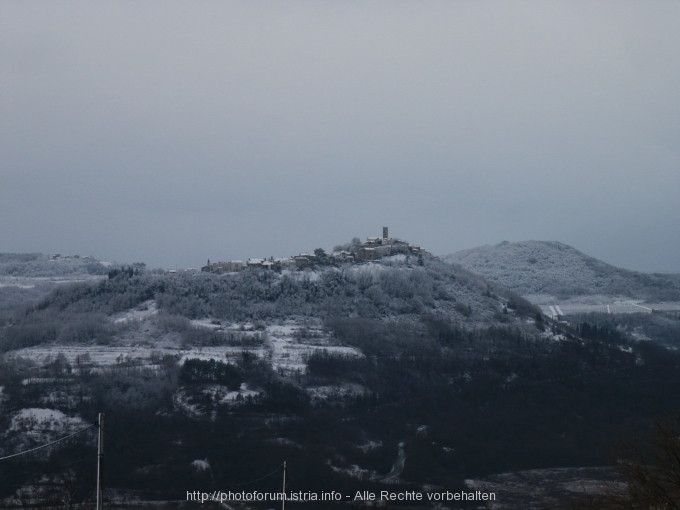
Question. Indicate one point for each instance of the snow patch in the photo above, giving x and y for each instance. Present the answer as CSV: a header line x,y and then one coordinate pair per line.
x,y
354,471
35,420
201,465
370,446
138,313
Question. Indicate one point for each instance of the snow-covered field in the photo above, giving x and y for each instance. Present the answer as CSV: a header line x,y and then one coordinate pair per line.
x,y
17,284
573,307
104,355
288,351
286,346
24,282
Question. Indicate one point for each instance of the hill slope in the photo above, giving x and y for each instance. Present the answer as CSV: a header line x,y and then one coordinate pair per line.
x,y
550,267
388,290
29,276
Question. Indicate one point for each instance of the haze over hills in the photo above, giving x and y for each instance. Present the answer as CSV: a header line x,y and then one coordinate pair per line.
x,y
557,269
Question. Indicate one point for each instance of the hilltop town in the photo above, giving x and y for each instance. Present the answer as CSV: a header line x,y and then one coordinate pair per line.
x,y
374,249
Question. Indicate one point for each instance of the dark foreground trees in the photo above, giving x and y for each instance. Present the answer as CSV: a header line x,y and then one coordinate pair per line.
x,y
650,471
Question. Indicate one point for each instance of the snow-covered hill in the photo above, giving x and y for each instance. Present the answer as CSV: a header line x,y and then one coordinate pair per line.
x,y
39,265
550,267
26,277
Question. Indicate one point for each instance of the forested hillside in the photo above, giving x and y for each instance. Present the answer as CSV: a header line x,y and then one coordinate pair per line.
x,y
26,277
549,267
398,291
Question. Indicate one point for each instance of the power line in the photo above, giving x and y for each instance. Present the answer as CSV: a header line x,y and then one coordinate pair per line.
x,y
46,445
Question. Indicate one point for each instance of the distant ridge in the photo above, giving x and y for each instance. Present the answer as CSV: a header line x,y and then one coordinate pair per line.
x,y
551,267
40,265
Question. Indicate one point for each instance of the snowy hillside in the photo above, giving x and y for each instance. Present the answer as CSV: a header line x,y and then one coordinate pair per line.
x,y
26,277
550,267
39,265
398,291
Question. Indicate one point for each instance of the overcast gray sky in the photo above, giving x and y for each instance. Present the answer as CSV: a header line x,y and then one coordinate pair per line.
x,y
170,132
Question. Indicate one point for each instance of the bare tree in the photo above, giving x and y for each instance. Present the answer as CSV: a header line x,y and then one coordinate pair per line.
x,y
650,471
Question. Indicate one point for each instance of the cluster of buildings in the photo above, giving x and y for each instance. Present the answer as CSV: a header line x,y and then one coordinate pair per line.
x,y
375,248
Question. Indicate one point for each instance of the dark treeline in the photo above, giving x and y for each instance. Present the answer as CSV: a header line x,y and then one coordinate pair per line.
x,y
662,328
210,371
605,332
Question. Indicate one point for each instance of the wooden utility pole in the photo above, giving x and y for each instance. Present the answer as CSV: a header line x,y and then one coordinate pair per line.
x,y
100,464
283,499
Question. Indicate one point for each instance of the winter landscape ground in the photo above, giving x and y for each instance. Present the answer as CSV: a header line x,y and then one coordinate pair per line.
x,y
407,372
